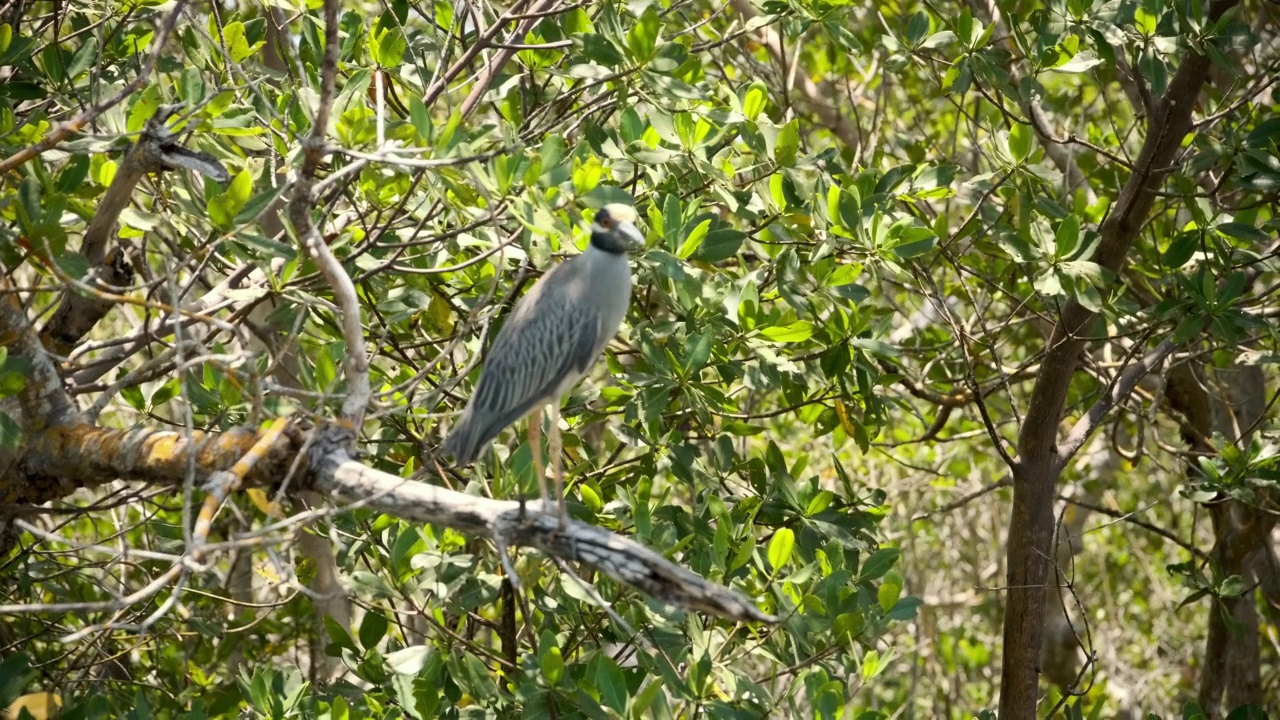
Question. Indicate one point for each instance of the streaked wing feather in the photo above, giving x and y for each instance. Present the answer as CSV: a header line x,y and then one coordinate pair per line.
x,y
530,359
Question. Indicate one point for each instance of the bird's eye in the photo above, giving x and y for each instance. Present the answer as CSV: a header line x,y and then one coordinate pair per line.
x,y
605,221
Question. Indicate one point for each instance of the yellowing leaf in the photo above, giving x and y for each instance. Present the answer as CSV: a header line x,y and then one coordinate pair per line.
x,y
846,422
260,500
41,705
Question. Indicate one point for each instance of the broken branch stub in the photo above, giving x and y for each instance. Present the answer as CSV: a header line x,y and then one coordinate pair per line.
x,y
155,151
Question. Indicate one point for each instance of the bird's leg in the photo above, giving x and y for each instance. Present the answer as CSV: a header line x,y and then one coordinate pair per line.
x,y
535,447
556,468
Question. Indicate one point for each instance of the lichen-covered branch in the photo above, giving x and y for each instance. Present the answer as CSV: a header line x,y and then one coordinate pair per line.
x,y
59,461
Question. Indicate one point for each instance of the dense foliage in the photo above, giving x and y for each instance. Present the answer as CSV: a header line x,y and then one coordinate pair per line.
x,y
864,223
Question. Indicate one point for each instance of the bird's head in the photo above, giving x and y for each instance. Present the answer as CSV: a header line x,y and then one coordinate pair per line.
x,y
614,229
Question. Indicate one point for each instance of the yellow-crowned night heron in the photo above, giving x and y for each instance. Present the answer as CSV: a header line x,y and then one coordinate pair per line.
x,y
549,342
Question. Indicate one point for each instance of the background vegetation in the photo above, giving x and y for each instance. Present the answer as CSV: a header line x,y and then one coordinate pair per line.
x,y
953,347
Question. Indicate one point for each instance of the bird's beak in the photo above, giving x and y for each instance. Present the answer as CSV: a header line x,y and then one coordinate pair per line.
x,y
634,238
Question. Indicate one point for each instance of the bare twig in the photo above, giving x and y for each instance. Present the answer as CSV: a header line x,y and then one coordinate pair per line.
x,y
1115,395
815,99
356,363
507,51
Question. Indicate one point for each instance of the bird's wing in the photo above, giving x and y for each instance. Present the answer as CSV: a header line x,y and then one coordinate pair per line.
x,y
531,356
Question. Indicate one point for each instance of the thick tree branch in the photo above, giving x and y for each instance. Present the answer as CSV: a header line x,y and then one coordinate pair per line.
x,y
44,403
59,461
1031,523
154,151
510,524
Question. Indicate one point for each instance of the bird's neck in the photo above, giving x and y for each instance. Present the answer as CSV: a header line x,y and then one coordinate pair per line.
x,y
604,242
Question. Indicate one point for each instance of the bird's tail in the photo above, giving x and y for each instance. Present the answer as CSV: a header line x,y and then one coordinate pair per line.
x,y
464,440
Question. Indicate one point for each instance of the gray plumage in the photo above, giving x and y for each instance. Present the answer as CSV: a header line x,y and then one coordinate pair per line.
x,y
553,336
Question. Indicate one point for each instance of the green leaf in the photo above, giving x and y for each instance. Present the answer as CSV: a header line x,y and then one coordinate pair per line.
x,y
642,38
388,46
743,555
1232,586
10,437
720,245
226,205
15,670
788,144
939,39
255,206
905,609
1241,231
879,563
607,677
1077,64
871,665
780,548
694,240
1067,238
238,47
421,119
798,331
1021,142
338,637
372,628
1180,250
753,103
552,664
339,709
698,350
74,265
672,221
73,173
410,660
887,595
917,28
915,248
600,50
84,58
